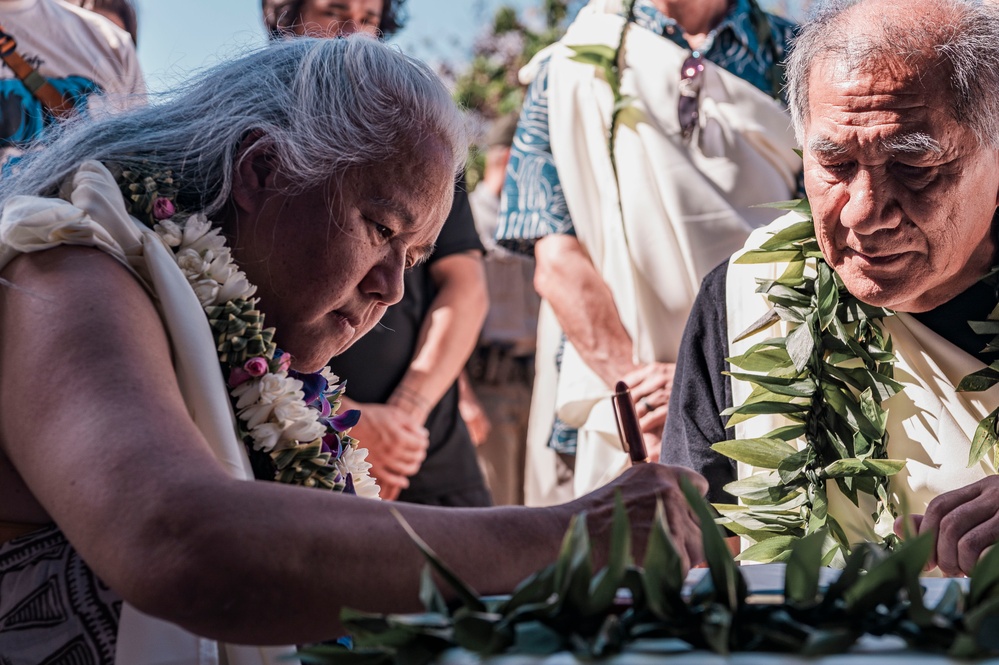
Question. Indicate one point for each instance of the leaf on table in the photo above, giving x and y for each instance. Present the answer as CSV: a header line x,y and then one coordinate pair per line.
x,y
801,577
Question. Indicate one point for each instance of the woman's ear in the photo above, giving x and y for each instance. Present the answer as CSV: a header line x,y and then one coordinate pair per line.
x,y
255,174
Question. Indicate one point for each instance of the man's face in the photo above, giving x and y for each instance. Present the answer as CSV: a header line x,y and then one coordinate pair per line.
x,y
902,194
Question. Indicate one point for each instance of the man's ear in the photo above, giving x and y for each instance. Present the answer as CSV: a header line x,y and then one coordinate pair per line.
x,y
254,177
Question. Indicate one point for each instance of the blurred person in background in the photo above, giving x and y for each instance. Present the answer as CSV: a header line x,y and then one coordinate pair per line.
x,y
419,446
59,60
622,239
496,389
119,12
333,18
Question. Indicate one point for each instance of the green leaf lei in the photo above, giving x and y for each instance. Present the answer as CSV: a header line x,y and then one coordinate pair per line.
x,y
829,377
648,610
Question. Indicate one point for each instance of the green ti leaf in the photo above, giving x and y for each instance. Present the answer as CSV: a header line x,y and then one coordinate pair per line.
x,y
772,549
729,584
762,453
606,583
801,577
794,233
756,256
663,568
980,380
985,440
985,578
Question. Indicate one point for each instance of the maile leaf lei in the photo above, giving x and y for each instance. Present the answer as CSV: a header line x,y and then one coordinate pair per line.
x,y
828,377
287,420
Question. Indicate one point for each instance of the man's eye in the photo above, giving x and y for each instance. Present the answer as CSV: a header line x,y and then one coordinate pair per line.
x,y
384,231
838,168
912,172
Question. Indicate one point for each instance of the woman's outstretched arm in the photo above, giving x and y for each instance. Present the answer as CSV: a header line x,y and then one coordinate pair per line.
x,y
92,419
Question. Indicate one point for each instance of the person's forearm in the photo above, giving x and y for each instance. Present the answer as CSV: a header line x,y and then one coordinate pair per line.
x,y
359,557
584,306
448,333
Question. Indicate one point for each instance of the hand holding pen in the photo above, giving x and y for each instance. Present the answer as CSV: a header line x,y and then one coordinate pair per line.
x,y
627,424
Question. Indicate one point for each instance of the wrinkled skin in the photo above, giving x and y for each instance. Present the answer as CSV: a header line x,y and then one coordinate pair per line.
x,y
903,197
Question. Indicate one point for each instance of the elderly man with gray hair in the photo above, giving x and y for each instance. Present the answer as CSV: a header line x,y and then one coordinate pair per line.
x,y
859,330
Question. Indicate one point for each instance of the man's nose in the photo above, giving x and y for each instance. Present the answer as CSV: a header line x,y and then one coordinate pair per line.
x,y
870,206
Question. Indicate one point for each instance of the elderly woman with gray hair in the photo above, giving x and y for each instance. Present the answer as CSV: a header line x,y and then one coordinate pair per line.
x,y
143,259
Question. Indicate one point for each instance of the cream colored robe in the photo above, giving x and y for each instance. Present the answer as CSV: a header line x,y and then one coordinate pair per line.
x,y
930,425
92,213
686,207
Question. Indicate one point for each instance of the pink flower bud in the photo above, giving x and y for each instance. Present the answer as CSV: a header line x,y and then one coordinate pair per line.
x,y
256,366
284,362
238,376
163,208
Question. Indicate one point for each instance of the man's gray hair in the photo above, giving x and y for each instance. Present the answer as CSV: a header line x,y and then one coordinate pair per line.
x,y
322,107
967,46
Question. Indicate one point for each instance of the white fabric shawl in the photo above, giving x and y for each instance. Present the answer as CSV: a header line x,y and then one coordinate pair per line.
x,y
91,212
687,205
930,425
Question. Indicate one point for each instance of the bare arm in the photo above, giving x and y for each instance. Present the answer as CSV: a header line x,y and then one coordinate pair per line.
x,y
585,308
448,333
112,455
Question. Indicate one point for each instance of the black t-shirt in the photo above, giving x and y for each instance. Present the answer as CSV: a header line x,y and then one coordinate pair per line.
x,y
376,363
701,391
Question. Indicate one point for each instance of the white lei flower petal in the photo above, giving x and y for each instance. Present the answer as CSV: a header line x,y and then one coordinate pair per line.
x,y
354,461
170,231
265,436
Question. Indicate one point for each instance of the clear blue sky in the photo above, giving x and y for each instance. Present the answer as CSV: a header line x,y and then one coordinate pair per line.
x,y
177,37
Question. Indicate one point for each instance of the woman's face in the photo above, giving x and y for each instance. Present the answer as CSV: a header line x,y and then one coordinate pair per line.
x,y
328,262
339,18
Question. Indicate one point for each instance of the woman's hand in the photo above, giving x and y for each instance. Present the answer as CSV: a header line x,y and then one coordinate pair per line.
x,y
640,487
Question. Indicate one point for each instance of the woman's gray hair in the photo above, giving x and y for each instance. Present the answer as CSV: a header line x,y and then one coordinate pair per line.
x,y
967,46
322,107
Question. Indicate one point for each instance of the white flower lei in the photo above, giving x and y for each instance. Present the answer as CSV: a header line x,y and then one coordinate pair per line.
x,y
308,443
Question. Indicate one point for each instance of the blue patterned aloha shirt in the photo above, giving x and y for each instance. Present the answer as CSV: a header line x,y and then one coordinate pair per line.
x,y
533,204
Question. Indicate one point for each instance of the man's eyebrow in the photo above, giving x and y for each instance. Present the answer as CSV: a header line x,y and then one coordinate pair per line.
x,y
915,143
825,146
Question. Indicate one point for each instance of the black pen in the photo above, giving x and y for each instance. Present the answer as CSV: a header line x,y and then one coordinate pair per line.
x,y
627,424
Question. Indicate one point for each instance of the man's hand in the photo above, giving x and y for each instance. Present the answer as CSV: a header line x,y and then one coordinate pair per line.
x,y
472,412
396,442
966,523
650,387
640,486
